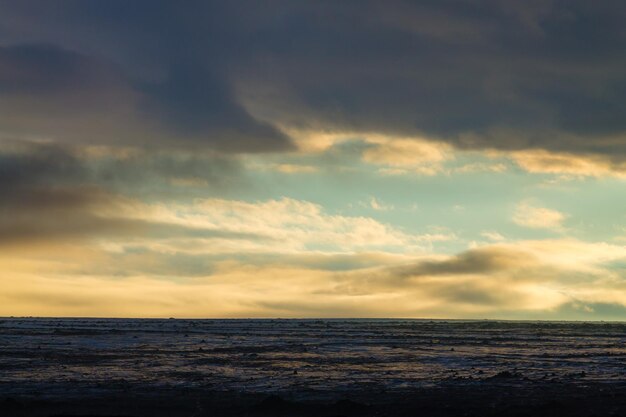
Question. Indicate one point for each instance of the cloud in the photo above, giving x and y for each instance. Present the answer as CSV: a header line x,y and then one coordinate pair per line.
x,y
122,125
520,279
476,261
49,215
540,161
493,236
378,205
44,164
55,93
499,87
480,167
488,75
285,168
533,217
396,155
404,152
293,226
133,197
53,192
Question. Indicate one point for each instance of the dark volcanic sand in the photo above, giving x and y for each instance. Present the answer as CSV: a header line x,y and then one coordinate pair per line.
x,y
63,367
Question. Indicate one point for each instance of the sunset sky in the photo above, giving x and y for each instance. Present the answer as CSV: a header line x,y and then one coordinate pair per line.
x,y
435,159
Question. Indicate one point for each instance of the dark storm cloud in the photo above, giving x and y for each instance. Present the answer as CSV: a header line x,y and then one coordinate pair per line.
x,y
49,214
122,73
27,164
479,74
52,93
137,170
52,192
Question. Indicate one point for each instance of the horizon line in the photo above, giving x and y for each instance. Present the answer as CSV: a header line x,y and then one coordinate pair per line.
x,y
317,319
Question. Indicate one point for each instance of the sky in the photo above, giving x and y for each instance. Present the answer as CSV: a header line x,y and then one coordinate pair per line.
x,y
416,159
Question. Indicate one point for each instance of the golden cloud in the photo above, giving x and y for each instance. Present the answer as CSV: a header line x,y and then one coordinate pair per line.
x,y
546,162
493,280
527,215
